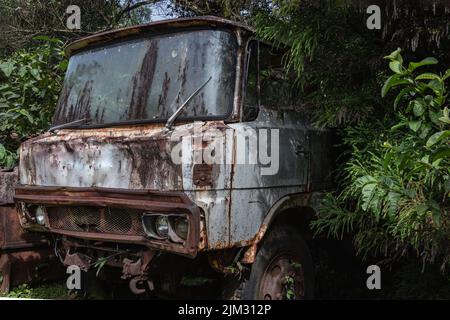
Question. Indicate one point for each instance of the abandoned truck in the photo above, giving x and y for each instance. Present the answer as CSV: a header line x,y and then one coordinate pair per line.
x,y
174,143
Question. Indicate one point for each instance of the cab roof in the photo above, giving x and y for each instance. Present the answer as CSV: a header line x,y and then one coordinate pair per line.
x,y
154,27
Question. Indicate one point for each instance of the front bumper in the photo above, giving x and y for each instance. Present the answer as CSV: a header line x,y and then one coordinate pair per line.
x,y
109,215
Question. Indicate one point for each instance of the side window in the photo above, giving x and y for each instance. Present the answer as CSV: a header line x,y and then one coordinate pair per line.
x,y
276,85
251,99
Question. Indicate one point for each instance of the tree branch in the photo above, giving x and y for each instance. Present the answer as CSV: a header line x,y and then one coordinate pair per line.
x,y
129,7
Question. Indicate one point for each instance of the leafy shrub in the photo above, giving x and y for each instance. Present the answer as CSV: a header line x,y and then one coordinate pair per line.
x,y
337,67
30,82
47,291
396,183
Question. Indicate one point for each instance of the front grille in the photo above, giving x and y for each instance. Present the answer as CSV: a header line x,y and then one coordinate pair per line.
x,y
96,220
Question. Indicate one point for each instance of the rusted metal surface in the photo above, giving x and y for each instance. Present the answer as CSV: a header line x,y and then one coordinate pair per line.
x,y
116,198
284,274
300,201
250,254
78,259
138,272
24,257
12,236
8,180
138,158
137,268
202,175
29,266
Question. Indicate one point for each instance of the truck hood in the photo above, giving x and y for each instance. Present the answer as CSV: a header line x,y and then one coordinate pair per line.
x,y
138,157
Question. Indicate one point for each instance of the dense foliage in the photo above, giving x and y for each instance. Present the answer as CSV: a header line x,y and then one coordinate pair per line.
x,y
32,62
22,20
394,178
396,183
336,63
30,82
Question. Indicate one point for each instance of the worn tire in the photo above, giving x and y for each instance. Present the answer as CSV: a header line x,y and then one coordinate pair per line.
x,y
279,240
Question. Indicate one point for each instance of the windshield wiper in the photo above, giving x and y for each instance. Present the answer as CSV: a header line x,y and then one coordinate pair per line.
x,y
174,117
72,124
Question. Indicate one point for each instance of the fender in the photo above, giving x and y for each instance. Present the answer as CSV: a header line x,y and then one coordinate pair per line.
x,y
309,199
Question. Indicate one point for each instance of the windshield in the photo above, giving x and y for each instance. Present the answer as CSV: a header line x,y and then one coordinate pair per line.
x,y
149,78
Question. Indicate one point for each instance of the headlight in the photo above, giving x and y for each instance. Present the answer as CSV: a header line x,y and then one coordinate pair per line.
x,y
162,226
40,216
174,227
155,226
181,227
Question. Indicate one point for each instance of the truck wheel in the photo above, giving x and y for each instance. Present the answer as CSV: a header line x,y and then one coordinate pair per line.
x,y
283,268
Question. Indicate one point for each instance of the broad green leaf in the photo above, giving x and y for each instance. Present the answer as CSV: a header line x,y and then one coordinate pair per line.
x,y
445,118
395,55
399,125
437,86
418,108
425,159
368,188
63,65
7,68
10,161
440,154
393,198
428,98
22,71
434,117
425,62
35,73
446,75
438,136
401,95
425,130
41,38
437,218
415,125
411,193
447,185
391,82
48,39
428,76
396,66
26,114
2,152
421,209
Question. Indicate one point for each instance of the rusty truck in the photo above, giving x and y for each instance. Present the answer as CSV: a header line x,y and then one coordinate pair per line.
x,y
174,143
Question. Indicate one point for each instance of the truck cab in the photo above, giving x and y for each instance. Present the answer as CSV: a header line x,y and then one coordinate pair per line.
x,y
181,138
